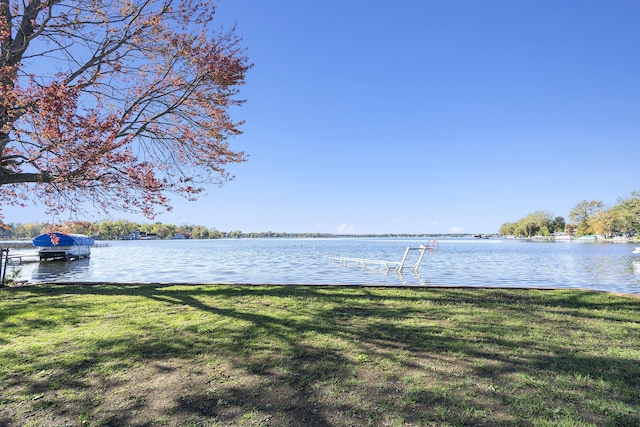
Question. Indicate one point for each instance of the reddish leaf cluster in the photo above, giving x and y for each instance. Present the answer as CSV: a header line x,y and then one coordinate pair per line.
x,y
139,105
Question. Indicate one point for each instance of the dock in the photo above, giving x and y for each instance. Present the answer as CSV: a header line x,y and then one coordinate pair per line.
x,y
13,259
432,246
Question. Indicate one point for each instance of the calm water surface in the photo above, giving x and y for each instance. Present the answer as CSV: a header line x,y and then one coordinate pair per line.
x,y
503,263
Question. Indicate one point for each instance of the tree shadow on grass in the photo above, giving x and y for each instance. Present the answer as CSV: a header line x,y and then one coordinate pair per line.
x,y
288,355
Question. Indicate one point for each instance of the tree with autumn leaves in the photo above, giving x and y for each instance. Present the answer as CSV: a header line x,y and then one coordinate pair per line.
x,y
115,102
588,217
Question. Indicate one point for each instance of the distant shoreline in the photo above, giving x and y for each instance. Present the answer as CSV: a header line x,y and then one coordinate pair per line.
x,y
23,243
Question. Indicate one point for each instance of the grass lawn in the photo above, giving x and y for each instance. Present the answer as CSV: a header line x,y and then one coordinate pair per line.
x,y
159,355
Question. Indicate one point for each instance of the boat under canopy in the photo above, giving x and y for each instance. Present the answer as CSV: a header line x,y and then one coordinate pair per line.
x,y
63,246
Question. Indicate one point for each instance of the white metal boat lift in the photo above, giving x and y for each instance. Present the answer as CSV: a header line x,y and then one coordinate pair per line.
x,y
431,246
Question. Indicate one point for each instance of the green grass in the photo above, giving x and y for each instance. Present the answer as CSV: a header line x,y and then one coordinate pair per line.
x,y
335,356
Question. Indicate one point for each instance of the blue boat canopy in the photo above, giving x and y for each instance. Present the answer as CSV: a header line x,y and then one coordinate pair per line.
x,y
64,240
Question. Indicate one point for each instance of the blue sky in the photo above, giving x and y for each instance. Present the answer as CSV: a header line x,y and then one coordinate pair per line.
x,y
425,116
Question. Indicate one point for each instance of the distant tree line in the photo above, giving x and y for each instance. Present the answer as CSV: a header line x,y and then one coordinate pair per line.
x,y
540,223
123,229
115,230
586,218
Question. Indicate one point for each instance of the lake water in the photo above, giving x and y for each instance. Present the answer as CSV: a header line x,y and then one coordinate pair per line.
x,y
459,262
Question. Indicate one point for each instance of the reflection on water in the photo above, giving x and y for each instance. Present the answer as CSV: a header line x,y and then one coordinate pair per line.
x,y
409,273
460,262
406,276
61,270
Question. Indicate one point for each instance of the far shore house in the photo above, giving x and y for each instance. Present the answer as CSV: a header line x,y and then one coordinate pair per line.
x,y
133,236
140,235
